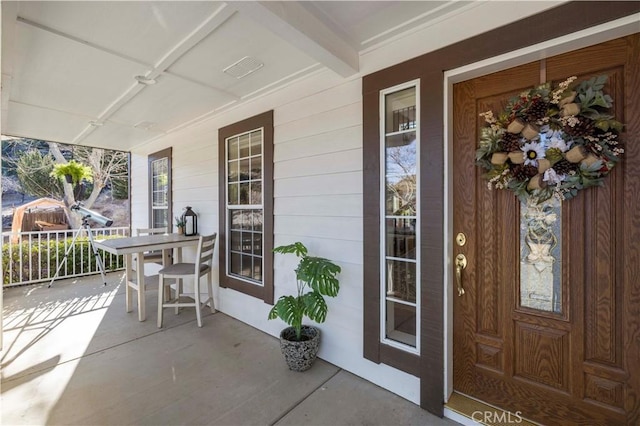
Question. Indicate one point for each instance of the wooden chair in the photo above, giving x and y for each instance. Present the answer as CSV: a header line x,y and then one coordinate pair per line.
x,y
180,271
152,256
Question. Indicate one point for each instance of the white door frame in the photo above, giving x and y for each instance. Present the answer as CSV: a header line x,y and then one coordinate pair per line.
x,y
587,37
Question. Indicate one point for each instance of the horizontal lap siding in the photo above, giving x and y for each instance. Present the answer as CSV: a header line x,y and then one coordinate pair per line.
x,y
321,164
339,183
324,205
139,198
342,139
195,179
318,196
343,228
318,173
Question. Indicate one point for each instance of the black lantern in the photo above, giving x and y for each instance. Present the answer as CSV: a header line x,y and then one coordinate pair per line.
x,y
190,219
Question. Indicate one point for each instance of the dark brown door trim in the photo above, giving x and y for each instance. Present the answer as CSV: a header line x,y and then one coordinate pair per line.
x,y
430,68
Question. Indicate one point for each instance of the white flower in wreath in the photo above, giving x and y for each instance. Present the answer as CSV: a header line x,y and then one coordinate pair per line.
x,y
555,140
533,151
552,178
550,218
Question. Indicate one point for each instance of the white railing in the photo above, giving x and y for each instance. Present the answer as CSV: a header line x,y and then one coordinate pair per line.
x,y
31,257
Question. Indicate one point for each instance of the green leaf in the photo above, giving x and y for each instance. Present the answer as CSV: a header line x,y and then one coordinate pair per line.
x,y
593,168
600,101
273,313
616,125
289,309
599,82
296,248
315,306
320,274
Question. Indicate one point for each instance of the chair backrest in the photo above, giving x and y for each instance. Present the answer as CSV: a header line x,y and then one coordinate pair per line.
x,y
205,251
151,231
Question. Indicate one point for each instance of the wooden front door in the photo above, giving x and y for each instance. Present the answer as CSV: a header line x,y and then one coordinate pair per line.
x,y
575,359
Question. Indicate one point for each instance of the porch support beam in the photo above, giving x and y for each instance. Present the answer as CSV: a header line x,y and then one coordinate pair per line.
x,y
299,27
8,15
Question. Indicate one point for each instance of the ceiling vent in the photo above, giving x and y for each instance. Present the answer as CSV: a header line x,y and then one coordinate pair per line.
x,y
243,67
145,125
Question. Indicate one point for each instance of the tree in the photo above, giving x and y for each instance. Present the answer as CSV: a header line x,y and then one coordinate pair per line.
x,y
120,188
34,161
13,148
10,184
401,179
110,168
104,165
34,173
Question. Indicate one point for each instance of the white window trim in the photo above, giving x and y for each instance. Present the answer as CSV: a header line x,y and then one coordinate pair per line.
x,y
383,217
154,190
232,207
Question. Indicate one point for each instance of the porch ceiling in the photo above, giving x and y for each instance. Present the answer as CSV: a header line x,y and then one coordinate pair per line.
x,y
69,68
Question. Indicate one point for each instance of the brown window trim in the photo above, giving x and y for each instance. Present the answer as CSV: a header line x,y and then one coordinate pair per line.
x,y
429,68
151,158
264,292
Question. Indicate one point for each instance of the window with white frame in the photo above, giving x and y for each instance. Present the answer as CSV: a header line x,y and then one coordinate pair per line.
x,y
160,189
246,206
399,229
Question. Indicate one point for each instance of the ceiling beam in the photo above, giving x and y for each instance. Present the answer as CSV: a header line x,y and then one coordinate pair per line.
x,y
215,20
209,25
299,27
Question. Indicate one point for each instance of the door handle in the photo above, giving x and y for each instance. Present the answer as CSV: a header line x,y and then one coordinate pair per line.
x,y
461,263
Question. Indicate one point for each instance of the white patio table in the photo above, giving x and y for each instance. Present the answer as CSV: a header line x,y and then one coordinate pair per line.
x,y
139,245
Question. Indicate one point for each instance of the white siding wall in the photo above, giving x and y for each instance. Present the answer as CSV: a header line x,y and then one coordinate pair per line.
x,y
318,184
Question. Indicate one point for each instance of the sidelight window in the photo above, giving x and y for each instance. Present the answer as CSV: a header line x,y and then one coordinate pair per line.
x,y
399,229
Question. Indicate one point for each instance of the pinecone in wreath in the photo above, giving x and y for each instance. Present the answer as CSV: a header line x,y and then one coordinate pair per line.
x,y
523,172
510,142
584,127
563,167
537,110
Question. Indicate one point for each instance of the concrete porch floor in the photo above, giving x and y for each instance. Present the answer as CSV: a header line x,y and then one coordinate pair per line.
x,y
72,355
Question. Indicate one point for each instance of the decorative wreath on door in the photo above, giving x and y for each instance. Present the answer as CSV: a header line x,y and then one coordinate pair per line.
x,y
551,141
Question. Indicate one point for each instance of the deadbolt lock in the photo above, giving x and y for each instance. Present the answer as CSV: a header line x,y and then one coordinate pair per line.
x,y
461,239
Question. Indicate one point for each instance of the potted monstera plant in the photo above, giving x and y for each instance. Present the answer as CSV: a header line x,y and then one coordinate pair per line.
x,y
316,277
